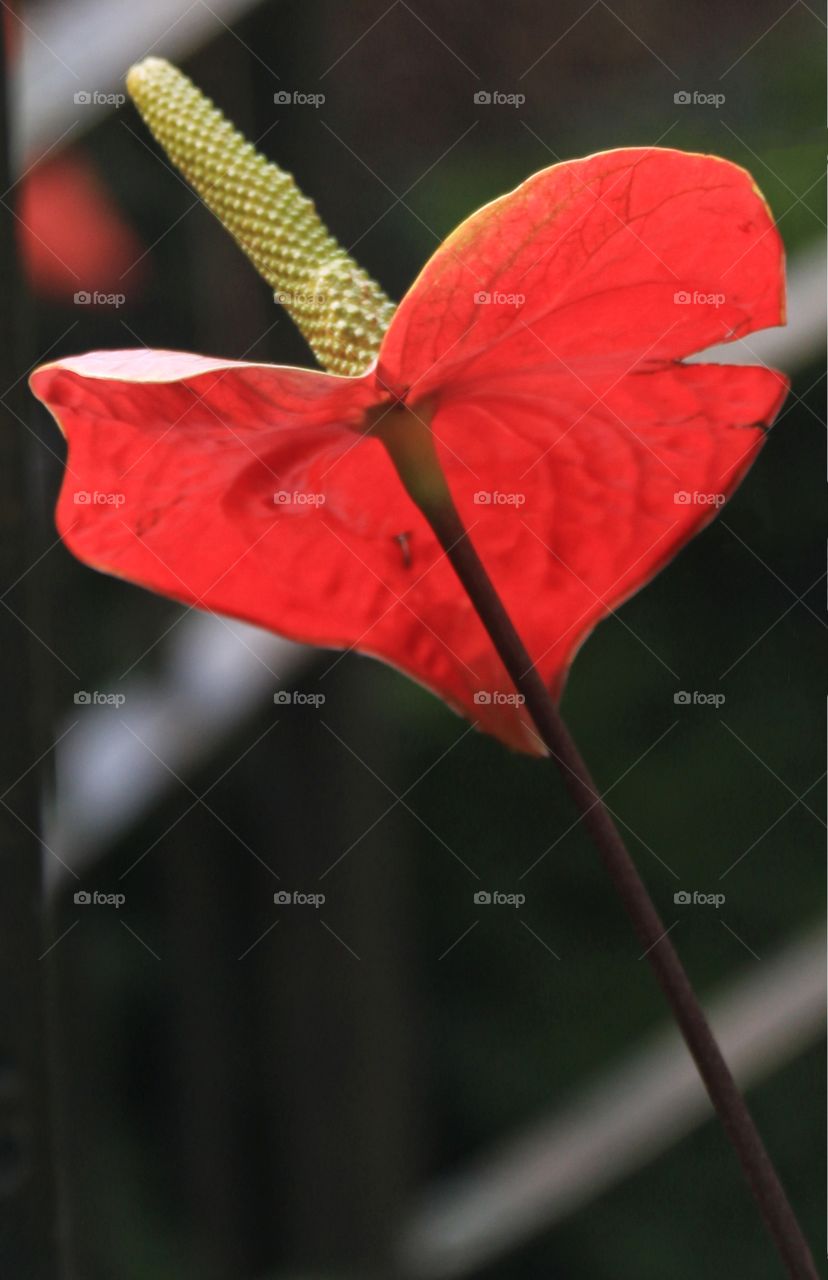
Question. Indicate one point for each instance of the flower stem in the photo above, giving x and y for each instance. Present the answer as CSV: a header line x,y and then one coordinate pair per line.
x,y
411,447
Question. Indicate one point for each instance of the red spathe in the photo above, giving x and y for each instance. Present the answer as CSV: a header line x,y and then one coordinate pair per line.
x,y
546,333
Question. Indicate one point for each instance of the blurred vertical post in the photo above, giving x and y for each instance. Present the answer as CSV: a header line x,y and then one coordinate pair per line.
x,y
342,1031
28,1235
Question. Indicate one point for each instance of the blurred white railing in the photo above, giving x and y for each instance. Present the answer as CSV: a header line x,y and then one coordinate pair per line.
x,y
631,1114
116,763
89,45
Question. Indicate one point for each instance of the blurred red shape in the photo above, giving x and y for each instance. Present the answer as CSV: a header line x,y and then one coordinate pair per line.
x,y
72,237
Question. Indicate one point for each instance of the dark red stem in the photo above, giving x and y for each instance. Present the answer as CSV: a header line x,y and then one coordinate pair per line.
x,y
409,443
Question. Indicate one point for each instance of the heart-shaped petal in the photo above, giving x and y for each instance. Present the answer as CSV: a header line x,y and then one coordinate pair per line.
x,y
623,258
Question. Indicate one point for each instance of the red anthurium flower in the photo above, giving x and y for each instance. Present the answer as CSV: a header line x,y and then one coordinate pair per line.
x,y
543,342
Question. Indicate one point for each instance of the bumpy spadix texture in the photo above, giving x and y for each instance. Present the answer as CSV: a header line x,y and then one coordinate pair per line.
x,y
546,341
341,311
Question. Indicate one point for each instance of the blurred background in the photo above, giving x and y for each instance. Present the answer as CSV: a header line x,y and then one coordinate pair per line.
x,y
401,1080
